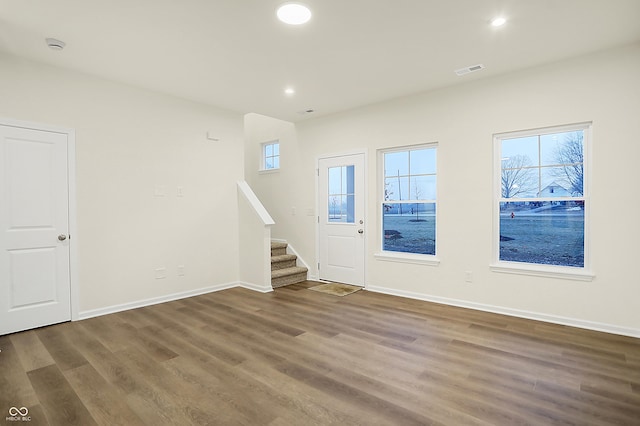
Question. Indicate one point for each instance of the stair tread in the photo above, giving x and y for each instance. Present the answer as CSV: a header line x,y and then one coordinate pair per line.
x,y
288,271
283,257
278,244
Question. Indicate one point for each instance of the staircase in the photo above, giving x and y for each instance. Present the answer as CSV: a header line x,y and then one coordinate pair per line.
x,y
283,266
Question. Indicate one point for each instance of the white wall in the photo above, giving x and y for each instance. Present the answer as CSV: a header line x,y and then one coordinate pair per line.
x,y
603,88
283,193
128,141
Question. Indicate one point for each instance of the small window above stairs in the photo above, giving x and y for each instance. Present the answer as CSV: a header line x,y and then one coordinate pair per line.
x,y
283,266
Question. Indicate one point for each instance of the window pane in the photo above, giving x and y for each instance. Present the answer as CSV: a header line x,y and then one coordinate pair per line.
x,y
349,181
526,147
341,208
390,189
550,233
276,162
268,163
568,152
397,188
423,188
268,150
350,209
518,180
409,228
396,163
574,179
276,149
555,183
562,148
549,145
337,208
422,161
335,180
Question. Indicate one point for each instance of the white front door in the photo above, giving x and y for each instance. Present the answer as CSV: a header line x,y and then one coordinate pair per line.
x,y
341,220
34,229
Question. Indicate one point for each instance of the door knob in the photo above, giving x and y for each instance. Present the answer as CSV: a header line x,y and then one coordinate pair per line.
x,y
360,231
62,237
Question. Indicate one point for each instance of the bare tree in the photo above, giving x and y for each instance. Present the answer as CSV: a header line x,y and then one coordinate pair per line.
x,y
517,178
387,196
571,155
399,192
417,196
334,204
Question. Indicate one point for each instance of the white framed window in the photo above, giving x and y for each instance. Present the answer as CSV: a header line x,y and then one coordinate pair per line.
x,y
407,203
541,202
270,159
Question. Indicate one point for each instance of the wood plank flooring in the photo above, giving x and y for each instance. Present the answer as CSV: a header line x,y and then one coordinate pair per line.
x,y
299,357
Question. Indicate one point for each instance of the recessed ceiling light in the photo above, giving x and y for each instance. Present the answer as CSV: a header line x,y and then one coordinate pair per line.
x,y
55,44
293,13
498,21
289,91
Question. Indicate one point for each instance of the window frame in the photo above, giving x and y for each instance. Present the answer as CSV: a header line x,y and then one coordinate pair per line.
x,y
583,273
397,256
263,156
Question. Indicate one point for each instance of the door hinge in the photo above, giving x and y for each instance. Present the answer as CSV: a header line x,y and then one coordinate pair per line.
x,y
318,265
318,219
318,172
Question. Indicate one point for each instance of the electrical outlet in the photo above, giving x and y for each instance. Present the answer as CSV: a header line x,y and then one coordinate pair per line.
x,y
468,276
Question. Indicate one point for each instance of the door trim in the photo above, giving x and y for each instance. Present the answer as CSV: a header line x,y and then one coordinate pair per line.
x,y
71,179
365,196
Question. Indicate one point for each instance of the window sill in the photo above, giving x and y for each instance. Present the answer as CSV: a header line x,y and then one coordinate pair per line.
x,y
267,171
418,259
560,272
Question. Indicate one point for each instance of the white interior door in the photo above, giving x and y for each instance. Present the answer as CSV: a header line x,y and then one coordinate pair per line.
x,y
341,188
34,227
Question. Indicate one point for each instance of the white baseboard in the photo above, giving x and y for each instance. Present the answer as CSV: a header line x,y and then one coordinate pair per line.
x,y
255,287
572,322
162,299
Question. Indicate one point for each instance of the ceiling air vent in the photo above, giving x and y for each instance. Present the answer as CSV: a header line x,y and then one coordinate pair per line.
x,y
467,70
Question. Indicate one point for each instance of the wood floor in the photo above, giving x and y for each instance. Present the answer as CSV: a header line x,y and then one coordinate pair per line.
x,y
299,357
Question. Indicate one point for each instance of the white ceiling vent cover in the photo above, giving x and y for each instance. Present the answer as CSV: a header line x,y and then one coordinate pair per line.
x,y
467,70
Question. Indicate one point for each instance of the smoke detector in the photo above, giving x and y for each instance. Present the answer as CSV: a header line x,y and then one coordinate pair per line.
x,y
55,44
470,69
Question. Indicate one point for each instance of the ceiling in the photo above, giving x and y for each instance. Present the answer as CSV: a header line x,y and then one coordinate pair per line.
x,y
236,55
